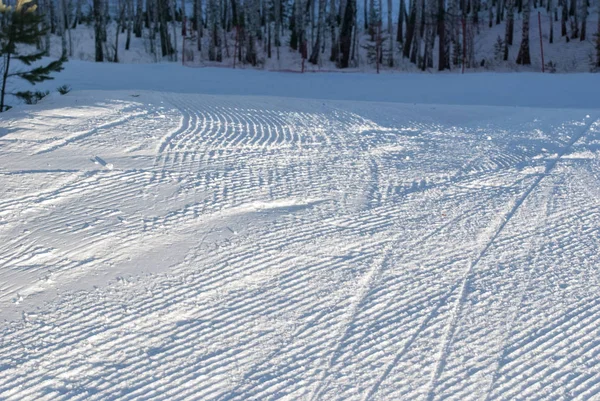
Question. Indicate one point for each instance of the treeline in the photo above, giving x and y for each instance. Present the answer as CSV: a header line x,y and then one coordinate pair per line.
x,y
253,30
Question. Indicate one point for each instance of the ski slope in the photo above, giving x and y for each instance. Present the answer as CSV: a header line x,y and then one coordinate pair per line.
x,y
171,246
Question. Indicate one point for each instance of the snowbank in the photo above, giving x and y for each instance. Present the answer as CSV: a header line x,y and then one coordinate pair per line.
x,y
493,89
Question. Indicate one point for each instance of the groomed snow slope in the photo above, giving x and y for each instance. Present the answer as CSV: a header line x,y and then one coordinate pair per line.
x,y
188,246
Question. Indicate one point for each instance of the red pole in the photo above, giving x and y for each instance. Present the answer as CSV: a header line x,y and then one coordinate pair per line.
x,y
541,41
464,27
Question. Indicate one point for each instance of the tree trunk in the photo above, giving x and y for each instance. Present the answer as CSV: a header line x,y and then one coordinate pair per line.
x,y
214,25
401,11
252,25
277,35
372,19
199,23
390,33
510,23
98,29
584,12
416,45
551,36
598,41
410,29
52,13
62,24
575,21
130,18
139,19
171,4
563,18
499,4
345,40
524,57
78,14
4,78
314,57
333,26
443,60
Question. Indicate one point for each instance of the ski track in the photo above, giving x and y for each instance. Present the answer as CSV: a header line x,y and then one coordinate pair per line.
x,y
321,251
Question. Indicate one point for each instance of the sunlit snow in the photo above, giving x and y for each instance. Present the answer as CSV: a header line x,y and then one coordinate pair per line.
x,y
164,245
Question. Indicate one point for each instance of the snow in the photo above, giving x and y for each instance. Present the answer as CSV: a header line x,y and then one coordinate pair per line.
x,y
492,89
323,237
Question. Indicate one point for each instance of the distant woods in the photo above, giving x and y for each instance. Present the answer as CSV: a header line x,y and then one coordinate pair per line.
x,y
431,34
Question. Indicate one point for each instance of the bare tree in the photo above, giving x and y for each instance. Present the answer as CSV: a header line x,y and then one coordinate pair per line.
x,y
598,40
314,56
510,26
564,17
584,13
419,30
443,58
574,12
333,26
252,29
524,57
499,7
198,23
99,29
551,35
139,18
172,14
345,40
401,17
130,18
390,29
410,29
277,17
214,31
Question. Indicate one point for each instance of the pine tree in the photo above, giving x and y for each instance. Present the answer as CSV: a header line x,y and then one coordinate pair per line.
x,y
19,33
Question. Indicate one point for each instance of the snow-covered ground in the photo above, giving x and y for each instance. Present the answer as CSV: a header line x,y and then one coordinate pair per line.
x,y
295,245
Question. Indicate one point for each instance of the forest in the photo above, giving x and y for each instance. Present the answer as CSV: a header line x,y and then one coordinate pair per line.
x,y
433,35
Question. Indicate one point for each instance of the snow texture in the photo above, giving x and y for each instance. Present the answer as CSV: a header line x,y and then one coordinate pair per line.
x,y
195,245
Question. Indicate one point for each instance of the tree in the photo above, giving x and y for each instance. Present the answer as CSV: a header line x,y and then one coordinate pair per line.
x,y
401,13
524,58
598,41
390,28
443,52
563,19
19,31
99,29
345,39
314,57
584,13
410,29
510,23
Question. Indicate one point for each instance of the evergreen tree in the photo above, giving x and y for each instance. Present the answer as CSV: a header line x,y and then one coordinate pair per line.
x,y
19,33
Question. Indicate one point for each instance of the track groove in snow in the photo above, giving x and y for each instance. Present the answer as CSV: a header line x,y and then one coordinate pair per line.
x,y
448,337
